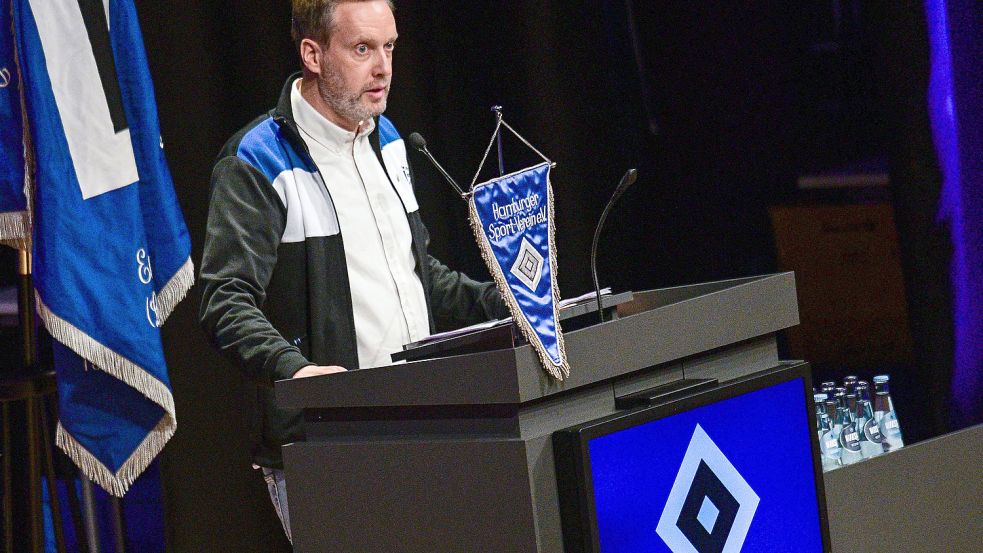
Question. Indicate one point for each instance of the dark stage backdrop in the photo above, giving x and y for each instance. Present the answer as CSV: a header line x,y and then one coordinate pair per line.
x,y
724,84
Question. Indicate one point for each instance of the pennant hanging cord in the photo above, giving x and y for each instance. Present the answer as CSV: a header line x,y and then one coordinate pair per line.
x,y
498,129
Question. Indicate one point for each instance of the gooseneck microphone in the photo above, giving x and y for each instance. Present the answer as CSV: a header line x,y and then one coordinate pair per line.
x,y
419,143
626,181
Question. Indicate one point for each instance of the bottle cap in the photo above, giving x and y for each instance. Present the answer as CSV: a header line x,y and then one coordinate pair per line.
x,y
819,397
881,379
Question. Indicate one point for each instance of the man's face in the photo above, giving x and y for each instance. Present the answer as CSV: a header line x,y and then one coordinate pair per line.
x,y
357,65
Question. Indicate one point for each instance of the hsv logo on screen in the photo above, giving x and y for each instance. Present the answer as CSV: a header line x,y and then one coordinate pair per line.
x,y
710,507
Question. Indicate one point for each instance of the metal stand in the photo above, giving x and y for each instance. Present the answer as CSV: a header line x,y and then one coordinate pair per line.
x,y
89,518
119,526
22,503
29,386
33,386
8,502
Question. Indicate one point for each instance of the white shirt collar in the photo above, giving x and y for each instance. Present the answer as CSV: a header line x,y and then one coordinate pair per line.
x,y
316,127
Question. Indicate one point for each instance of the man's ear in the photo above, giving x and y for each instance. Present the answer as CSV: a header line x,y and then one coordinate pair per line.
x,y
311,55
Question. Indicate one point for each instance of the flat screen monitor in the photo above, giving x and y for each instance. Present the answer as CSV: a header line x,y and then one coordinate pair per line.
x,y
734,468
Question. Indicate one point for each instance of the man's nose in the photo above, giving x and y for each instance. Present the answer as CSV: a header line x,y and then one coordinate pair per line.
x,y
383,66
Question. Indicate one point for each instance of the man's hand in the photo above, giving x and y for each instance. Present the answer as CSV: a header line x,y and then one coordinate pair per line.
x,y
315,370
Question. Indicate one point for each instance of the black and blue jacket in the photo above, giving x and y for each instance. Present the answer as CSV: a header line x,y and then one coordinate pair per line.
x,y
275,291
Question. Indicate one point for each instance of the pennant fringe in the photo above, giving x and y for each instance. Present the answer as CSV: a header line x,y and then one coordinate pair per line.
x,y
119,482
562,370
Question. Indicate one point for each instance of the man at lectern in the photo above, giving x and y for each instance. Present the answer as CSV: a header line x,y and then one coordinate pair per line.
x,y
315,258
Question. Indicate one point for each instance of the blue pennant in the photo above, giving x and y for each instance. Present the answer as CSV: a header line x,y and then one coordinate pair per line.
x,y
511,216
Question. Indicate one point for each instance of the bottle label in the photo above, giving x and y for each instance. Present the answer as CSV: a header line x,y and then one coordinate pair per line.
x,y
889,425
829,445
850,438
872,431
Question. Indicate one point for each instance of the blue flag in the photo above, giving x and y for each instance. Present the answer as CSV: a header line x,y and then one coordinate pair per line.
x,y
14,225
111,250
512,219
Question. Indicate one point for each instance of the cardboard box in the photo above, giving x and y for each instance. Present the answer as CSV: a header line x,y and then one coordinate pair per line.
x,y
851,289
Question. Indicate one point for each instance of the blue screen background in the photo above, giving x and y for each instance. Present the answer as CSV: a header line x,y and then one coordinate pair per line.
x,y
766,436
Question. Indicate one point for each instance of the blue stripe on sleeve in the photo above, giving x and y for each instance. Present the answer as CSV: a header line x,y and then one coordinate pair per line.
x,y
262,148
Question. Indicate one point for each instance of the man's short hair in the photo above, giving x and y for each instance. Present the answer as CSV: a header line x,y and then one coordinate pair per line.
x,y
314,19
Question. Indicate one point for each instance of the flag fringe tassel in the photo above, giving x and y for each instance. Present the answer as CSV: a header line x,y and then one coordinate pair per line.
x,y
175,290
128,372
119,482
106,359
562,370
15,229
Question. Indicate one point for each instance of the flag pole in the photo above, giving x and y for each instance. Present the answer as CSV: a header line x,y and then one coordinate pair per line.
x,y
40,446
29,339
29,333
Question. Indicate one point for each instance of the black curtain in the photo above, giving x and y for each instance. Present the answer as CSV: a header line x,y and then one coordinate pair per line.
x,y
900,47
723,82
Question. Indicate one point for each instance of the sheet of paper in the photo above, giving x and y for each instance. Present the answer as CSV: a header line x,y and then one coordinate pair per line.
x,y
508,320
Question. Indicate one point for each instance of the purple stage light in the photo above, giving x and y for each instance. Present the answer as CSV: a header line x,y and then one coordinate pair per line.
x,y
955,99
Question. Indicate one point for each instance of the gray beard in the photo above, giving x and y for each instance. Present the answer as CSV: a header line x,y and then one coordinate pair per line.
x,y
332,90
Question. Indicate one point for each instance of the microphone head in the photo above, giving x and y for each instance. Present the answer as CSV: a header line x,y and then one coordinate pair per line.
x,y
417,141
630,176
626,181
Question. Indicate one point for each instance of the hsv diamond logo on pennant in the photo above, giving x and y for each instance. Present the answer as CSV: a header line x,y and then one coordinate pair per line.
x,y
528,266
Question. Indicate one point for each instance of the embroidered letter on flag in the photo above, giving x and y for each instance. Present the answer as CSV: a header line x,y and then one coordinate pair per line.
x,y
111,250
512,219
